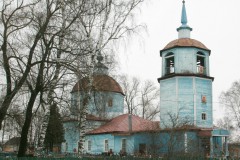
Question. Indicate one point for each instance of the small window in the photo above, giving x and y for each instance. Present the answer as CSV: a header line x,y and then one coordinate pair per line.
x,y
204,99
204,116
124,145
110,102
106,145
89,145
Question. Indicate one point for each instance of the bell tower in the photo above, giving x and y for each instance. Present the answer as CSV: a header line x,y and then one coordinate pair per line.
x,y
185,82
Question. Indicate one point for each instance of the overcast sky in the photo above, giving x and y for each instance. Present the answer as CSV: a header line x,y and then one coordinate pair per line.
x,y
215,23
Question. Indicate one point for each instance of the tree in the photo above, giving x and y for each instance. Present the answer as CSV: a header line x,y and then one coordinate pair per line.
x,y
227,123
131,89
141,98
15,18
149,100
40,70
176,139
230,99
44,40
55,131
14,118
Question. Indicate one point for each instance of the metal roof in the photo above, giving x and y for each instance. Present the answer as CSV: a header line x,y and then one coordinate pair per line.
x,y
121,124
185,42
100,83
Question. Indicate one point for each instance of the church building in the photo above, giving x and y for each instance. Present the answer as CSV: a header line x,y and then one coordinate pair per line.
x,y
185,126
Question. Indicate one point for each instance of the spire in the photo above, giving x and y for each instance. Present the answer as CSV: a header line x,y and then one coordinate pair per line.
x,y
184,14
100,68
184,30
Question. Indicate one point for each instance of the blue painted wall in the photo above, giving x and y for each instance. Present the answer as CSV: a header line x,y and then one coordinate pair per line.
x,y
204,88
182,97
156,143
98,143
71,136
150,139
115,143
99,103
168,101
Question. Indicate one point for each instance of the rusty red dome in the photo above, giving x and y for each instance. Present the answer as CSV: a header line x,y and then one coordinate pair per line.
x,y
100,83
185,42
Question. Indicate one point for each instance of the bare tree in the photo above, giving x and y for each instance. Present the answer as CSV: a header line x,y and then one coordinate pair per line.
x,y
149,100
230,99
45,73
12,123
176,139
131,89
227,123
17,17
15,115
56,40
141,98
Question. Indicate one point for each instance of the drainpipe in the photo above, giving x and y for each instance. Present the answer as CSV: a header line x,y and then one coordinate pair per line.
x,y
130,122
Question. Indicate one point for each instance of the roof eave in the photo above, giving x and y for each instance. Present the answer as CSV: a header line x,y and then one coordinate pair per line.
x,y
184,47
124,132
184,74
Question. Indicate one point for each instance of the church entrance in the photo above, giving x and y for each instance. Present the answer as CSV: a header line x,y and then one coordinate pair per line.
x,y
205,143
142,148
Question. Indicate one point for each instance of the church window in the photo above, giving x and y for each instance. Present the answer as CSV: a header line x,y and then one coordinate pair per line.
x,y
204,116
124,145
106,145
169,60
110,102
201,69
89,145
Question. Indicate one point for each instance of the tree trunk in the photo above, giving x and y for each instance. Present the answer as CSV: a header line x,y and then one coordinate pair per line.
x,y
3,131
4,107
24,135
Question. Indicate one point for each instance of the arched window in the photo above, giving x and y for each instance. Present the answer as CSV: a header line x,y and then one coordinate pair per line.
x,y
201,66
169,63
